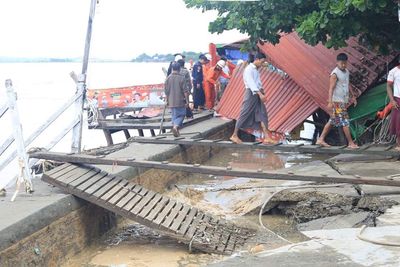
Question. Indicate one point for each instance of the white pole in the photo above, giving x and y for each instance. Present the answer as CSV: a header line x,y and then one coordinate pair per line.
x,y
25,175
81,84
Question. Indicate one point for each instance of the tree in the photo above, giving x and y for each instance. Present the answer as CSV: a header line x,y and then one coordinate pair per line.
x,y
331,22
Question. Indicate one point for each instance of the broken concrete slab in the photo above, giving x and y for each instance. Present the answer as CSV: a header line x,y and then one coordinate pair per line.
x,y
335,222
357,158
390,217
345,242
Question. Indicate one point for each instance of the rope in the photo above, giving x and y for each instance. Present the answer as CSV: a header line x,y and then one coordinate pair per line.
x,y
93,112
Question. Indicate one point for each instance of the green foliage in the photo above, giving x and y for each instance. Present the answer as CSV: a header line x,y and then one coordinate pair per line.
x,y
165,57
331,22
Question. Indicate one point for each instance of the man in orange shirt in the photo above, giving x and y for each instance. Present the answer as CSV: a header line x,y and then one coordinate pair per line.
x,y
211,79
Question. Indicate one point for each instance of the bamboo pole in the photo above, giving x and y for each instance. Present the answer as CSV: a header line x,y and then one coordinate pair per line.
x,y
81,84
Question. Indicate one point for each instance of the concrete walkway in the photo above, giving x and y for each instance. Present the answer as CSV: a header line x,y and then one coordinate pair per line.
x,y
329,248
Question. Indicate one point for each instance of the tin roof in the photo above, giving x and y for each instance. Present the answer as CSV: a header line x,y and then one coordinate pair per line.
x,y
310,66
287,104
293,99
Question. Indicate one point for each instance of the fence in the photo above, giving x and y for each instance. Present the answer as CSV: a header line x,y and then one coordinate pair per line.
x,y
21,144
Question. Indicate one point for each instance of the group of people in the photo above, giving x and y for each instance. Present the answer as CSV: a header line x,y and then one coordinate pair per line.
x,y
253,113
203,84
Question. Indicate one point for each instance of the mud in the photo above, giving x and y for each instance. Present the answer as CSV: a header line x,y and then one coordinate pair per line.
x,y
133,245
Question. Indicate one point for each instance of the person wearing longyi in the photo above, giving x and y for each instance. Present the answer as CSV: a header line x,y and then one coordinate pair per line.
x,y
339,96
393,91
253,113
177,92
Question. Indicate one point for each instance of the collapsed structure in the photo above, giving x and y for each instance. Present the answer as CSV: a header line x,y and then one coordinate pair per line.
x,y
297,86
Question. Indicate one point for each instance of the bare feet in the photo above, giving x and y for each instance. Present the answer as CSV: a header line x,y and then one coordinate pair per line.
x,y
353,146
269,141
235,139
322,143
397,148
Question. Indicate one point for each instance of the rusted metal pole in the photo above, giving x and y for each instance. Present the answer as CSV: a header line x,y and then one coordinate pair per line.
x,y
81,84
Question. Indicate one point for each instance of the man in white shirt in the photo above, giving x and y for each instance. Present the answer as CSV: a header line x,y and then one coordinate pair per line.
x,y
253,113
393,91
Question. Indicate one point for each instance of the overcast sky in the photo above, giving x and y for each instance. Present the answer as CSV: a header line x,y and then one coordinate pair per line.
x,y
122,28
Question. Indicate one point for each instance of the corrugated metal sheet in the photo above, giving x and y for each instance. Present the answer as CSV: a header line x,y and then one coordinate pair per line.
x,y
287,104
310,66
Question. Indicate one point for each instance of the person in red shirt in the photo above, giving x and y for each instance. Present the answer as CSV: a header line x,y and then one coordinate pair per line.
x,y
211,79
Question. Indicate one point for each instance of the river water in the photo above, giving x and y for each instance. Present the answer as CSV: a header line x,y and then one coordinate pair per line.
x,y
43,87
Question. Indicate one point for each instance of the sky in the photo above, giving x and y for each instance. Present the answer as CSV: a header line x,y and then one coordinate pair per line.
x,y
122,29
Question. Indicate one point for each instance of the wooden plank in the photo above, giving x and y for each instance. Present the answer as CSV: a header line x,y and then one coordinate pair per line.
x,y
231,243
92,180
204,223
81,179
172,215
193,226
57,169
157,209
224,241
107,196
219,171
64,171
106,187
117,197
216,233
182,215
128,197
106,179
138,208
146,210
135,200
161,216
188,220
74,174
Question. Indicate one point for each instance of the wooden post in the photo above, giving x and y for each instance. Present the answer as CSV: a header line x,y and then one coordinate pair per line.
x,y
25,175
81,84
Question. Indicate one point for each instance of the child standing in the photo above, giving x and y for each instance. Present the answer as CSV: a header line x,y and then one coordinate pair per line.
x,y
339,95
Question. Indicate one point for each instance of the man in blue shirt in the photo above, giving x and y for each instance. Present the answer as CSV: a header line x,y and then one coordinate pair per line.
x,y
197,75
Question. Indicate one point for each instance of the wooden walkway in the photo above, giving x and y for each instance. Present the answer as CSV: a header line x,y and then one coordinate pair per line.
x,y
368,149
146,124
198,229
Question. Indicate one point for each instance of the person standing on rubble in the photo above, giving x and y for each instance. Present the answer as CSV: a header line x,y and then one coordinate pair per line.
x,y
253,113
177,93
393,91
339,96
